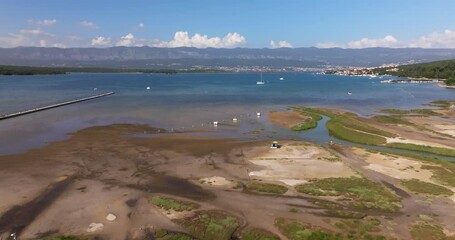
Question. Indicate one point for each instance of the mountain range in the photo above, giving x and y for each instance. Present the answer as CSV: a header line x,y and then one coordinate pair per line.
x,y
187,57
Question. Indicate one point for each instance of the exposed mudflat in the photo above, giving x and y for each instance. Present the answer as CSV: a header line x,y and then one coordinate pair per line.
x,y
70,187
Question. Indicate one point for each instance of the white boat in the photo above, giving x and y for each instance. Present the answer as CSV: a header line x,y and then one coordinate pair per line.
x,y
281,78
349,93
261,82
148,88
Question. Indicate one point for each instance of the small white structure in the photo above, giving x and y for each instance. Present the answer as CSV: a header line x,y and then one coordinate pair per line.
x,y
235,119
111,217
148,88
258,114
215,123
452,106
274,145
94,227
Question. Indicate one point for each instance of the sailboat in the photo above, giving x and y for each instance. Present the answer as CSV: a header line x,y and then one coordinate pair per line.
x,y
261,82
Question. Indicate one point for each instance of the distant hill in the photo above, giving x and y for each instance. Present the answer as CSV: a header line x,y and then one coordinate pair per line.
x,y
185,57
434,70
440,70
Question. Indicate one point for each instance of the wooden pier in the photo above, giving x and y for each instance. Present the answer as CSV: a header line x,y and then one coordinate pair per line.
x,y
17,114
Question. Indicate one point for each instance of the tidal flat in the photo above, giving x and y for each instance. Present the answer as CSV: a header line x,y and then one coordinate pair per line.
x,y
115,182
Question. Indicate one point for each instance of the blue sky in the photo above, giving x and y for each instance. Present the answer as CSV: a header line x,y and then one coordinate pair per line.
x,y
250,23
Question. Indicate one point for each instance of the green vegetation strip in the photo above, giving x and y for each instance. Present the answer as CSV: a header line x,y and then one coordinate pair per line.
x,y
25,70
257,234
442,104
311,122
425,231
210,225
350,127
162,234
422,148
418,186
360,193
170,203
266,188
360,228
294,230
392,119
420,112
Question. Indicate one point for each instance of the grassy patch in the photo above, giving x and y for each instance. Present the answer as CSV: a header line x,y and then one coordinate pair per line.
x,y
210,225
443,104
418,186
266,188
424,112
324,203
424,231
392,119
312,114
162,234
257,234
294,230
308,124
311,122
350,127
360,228
421,148
443,175
360,193
444,172
343,214
174,204
340,131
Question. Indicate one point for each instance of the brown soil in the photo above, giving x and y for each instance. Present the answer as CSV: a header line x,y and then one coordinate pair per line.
x,y
287,119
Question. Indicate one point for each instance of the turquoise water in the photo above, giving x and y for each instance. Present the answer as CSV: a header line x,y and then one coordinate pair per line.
x,y
190,101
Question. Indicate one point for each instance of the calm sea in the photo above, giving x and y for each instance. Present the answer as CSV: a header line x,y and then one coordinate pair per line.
x,y
189,101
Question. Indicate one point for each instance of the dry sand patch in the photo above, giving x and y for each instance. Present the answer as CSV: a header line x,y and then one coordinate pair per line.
x,y
416,142
295,162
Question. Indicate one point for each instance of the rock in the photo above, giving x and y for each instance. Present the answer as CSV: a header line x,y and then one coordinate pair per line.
x,y
111,217
94,227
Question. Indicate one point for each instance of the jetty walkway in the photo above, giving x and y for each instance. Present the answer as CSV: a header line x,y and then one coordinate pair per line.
x,y
17,114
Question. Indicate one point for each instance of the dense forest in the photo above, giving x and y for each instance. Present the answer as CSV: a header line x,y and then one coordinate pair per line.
x,y
24,70
436,70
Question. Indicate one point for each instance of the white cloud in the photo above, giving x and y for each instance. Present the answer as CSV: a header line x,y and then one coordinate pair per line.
x,y
44,23
101,41
280,44
327,45
13,40
127,40
141,25
36,32
445,39
182,39
88,25
387,41
59,45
